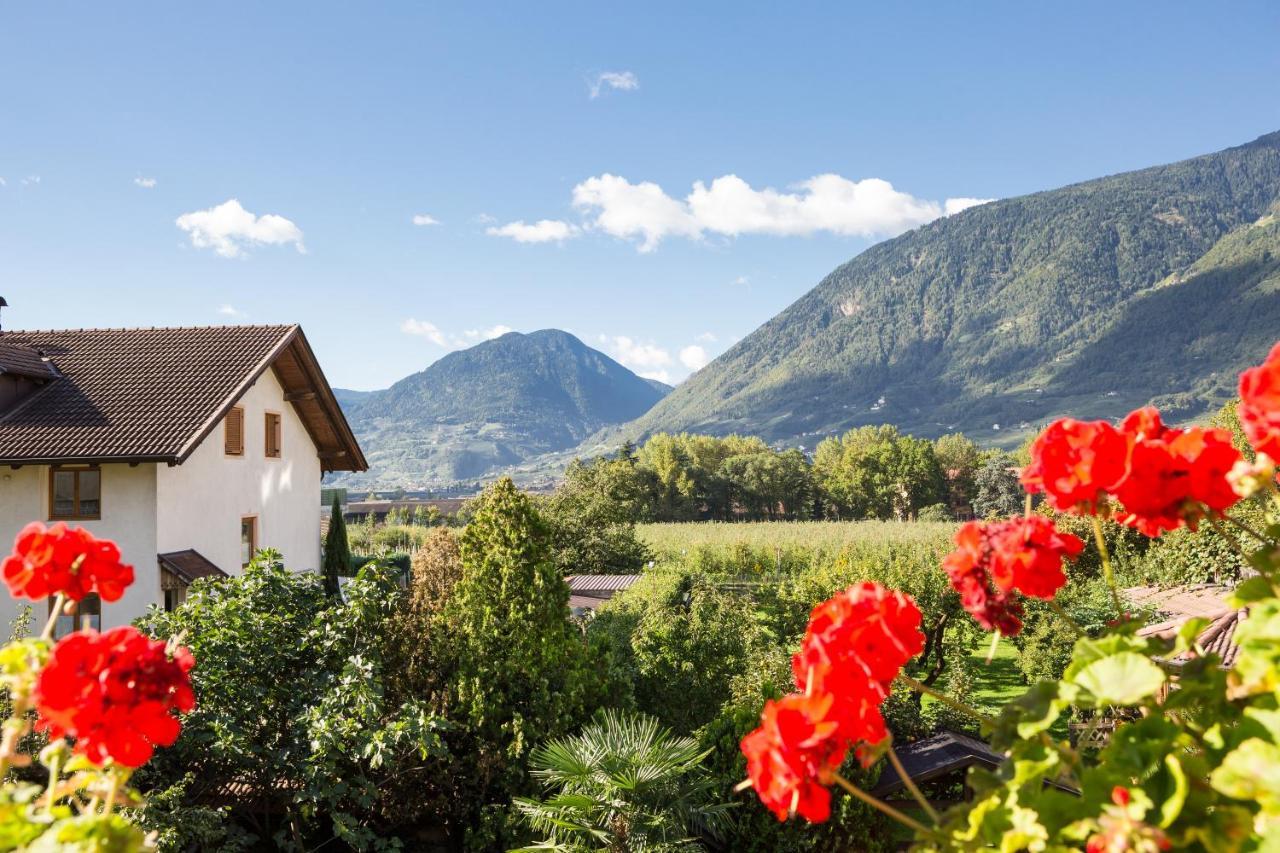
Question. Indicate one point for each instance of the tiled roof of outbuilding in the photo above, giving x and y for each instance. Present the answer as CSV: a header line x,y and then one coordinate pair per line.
x,y
141,395
24,361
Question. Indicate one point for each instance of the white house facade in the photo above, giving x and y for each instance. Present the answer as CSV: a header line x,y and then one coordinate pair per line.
x,y
190,448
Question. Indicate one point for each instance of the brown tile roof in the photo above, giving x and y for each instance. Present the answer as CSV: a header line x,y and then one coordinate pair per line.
x,y
190,565
24,361
596,584
1194,601
152,395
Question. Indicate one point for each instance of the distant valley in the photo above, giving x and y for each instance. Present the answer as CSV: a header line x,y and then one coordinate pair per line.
x,y
1150,286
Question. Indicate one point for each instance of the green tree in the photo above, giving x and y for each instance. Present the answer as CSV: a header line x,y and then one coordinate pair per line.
x,y
521,673
291,704
960,460
998,492
624,784
337,552
592,516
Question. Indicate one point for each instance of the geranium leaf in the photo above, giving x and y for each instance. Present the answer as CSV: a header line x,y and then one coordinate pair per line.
x,y
1120,679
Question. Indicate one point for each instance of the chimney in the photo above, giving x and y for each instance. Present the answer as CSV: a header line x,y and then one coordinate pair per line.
x,y
3,304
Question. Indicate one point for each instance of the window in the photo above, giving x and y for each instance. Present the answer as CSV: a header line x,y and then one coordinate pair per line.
x,y
75,493
76,615
273,435
248,539
235,432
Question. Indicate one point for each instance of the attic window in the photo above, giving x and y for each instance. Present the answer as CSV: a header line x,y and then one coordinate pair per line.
x,y
234,437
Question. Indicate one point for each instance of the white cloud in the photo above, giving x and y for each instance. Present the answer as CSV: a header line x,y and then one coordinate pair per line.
x,y
145,183
425,219
694,357
955,205
3,182
30,179
707,338
542,231
629,210
637,355
487,334
662,376
742,280
228,229
230,311
424,329
729,207
485,219
624,81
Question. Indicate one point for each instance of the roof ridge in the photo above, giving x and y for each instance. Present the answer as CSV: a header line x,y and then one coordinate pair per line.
x,y
282,326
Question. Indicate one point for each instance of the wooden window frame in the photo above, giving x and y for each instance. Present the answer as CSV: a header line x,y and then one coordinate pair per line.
x,y
75,514
227,448
273,431
76,615
253,537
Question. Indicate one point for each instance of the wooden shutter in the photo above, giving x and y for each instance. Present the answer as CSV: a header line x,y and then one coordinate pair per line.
x,y
235,432
273,435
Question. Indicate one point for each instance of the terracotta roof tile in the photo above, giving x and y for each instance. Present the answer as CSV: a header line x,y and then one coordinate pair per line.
x,y
24,361
190,565
135,394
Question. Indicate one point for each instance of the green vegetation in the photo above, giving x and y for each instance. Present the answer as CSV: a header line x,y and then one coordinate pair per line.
x,y
490,406
1090,300
337,552
624,783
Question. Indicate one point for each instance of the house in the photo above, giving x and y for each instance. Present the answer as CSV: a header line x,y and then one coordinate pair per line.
x,y
192,448
588,592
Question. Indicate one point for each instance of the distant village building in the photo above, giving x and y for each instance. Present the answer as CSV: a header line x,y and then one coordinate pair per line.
x,y
588,592
192,448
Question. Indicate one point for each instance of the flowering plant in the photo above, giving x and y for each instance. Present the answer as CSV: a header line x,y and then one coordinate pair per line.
x,y
105,700
1197,765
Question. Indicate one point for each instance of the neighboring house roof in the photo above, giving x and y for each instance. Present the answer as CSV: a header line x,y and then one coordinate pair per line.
x,y
152,395
24,361
190,565
596,584
938,756
1193,601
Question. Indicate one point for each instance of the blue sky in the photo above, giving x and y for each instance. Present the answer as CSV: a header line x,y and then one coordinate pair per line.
x,y
126,131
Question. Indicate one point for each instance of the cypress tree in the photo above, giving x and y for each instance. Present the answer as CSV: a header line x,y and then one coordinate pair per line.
x,y
337,553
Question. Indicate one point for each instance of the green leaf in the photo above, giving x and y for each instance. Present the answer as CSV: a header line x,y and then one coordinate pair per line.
x,y
1254,589
1121,679
1251,772
1172,806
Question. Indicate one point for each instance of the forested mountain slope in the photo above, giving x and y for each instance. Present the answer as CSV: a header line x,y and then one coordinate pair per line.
x,y
1155,285
494,404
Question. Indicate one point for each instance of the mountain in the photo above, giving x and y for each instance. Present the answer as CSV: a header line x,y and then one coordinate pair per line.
x,y
491,406
1150,286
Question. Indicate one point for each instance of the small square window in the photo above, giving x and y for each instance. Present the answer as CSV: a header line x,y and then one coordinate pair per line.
x,y
75,493
86,613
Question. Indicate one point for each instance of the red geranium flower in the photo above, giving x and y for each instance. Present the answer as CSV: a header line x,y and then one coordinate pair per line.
x,y
54,559
968,569
1260,404
861,637
1075,463
1174,474
114,694
1027,555
793,755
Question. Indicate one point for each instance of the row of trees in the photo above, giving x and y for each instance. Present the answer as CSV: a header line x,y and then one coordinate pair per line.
x,y
869,472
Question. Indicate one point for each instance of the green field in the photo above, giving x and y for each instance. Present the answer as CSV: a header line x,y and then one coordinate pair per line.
x,y
672,540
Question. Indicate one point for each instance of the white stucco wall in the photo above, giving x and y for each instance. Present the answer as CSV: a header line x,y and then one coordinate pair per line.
x,y
155,509
128,518
201,502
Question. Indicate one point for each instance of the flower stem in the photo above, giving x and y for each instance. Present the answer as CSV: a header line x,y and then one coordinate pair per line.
x,y
1106,565
112,790
945,699
1066,617
54,612
884,807
55,769
911,785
